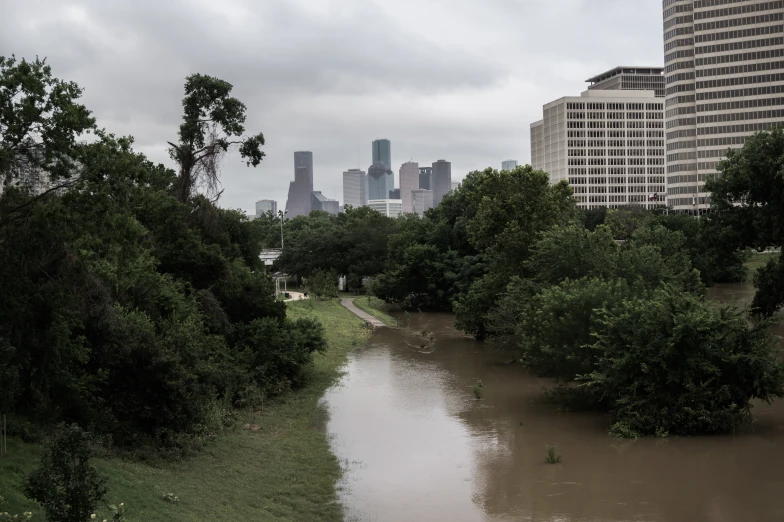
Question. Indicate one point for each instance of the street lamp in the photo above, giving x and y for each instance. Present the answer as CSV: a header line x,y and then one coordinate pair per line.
x,y
282,213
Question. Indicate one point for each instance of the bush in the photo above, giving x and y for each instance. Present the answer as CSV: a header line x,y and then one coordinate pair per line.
x,y
323,285
673,363
65,483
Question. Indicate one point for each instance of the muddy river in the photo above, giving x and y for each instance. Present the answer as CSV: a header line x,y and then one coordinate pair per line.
x,y
416,446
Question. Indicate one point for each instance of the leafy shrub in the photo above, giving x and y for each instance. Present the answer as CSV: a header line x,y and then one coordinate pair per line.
x,y
65,483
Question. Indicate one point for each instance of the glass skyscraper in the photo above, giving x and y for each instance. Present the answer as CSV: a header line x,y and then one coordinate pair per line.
x,y
382,153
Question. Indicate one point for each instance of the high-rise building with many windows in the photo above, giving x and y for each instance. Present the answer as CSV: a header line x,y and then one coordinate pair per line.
x,y
298,202
724,69
441,182
509,165
607,143
382,153
425,177
409,181
266,205
355,188
380,180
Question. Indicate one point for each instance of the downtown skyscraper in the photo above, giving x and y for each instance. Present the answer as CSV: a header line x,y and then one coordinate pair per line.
x,y
355,191
299,197
409,181
724,68
382,153
442,180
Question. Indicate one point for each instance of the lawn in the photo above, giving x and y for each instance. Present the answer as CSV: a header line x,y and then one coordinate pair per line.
x,y
283,471
757,261
375,306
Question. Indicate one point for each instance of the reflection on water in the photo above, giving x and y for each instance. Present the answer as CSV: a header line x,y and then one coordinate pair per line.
x,y
415,445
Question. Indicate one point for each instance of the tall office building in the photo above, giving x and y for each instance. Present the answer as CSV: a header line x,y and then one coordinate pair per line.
x,y
608,144
509,165
320,202
380,180
425,175
394,194
266,205
382,153
422,200
630,79
355,188
723,67
299,198
442,180
409,181
389,207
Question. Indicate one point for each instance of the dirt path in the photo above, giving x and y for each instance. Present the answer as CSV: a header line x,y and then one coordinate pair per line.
x,y
349,305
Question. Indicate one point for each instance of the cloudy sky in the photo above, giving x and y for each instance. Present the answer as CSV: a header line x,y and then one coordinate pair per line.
x,y
454,79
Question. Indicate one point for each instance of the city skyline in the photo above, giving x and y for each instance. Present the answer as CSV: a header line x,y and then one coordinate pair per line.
x,y
444,96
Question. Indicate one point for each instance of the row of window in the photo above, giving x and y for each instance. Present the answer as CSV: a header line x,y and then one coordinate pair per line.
x,y
736,46
686,19
616,153
739,69
680,77
681,42
683,8
739,80
700,4
680,53
735,22
615,161
740,93
677,145
740,57
739,33
682,133
747,128
716,153
614,115
741,116
741,104
741,9
678,31
655,174
690,167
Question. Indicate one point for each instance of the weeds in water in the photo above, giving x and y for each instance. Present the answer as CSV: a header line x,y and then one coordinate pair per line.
x,y
478,390
551,457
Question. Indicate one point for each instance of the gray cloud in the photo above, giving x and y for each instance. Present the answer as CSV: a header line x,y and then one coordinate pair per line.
x,y
454,79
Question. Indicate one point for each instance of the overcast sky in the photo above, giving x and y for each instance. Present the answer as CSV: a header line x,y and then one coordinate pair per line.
x,y
455,79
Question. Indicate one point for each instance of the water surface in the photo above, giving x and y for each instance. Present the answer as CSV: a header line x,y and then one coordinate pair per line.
x,y
416,445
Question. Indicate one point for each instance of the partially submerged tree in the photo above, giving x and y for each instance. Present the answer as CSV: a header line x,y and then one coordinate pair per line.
x,y
213,122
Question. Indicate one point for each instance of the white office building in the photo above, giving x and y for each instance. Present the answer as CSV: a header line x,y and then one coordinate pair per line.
x,y
355,188
607,143
724,67
389,207
422,200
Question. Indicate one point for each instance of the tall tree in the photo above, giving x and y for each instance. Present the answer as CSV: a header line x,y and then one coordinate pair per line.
x,y
213,122
40,121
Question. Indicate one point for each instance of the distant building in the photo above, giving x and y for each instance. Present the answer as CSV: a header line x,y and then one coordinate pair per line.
x,y
608,143
442,180
409,181
425,175
455,185
355,188
394,194
382,153
380,181
266,205
299,202
421,201
509,165
389,207
320,202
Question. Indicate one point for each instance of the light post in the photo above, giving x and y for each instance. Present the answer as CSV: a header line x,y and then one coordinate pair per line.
x,y
282,213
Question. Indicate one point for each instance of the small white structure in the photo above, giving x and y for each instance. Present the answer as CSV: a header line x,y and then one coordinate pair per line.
x,y
389,207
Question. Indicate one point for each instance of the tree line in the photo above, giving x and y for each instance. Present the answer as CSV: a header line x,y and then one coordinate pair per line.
x,y
132,305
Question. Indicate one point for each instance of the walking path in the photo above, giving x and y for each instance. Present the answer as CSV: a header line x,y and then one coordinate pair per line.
x,y
369,319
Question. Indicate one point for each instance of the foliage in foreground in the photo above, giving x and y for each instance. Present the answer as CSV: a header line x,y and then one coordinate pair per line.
x,y
65,483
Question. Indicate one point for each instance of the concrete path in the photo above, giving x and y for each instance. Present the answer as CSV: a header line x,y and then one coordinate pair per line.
x,y
369,319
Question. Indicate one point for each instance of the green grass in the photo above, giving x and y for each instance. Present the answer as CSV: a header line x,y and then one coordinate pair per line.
x,y
375,307
757,261
283,471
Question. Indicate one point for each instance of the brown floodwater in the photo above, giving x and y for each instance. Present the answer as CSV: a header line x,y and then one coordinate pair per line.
x,y
415,445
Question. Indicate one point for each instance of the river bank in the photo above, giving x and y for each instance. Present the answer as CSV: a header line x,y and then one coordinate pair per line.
x,y
282,471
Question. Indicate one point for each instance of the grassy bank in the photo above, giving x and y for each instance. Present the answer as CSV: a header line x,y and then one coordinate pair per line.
x,y
375,307
757,261
283,471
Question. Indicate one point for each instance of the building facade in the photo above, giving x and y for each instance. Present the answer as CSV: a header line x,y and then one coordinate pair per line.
x,y
389,207
629,79
298,202
380,180
421,201
320,202
409,181
382,153
441,180
355,188
425,175
266,205
509,165
724,69
608,144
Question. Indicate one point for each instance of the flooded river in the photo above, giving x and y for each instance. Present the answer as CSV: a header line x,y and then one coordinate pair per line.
x,y
415,445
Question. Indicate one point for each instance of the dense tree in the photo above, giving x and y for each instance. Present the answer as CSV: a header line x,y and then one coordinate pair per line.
x,y
40,121
213,121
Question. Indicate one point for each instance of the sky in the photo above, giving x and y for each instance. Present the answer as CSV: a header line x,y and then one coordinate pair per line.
x,y
459,80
